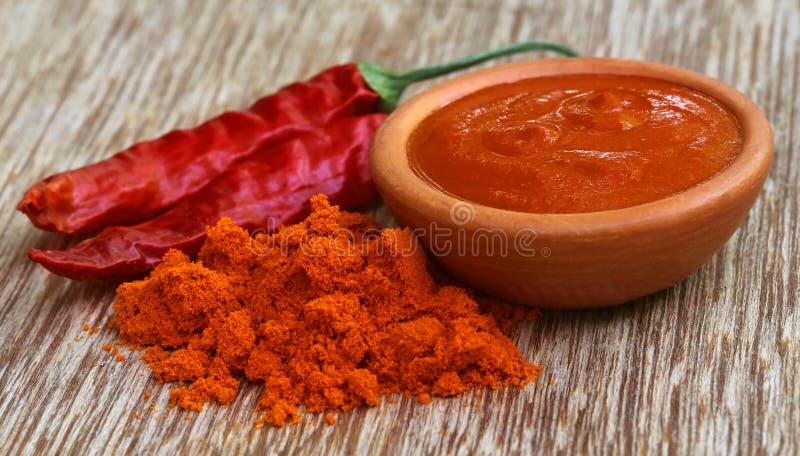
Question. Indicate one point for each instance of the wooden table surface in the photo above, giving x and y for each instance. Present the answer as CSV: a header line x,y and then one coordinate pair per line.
x,y
709,365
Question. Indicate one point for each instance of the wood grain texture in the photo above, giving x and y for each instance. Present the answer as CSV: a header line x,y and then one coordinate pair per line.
x,y
708,366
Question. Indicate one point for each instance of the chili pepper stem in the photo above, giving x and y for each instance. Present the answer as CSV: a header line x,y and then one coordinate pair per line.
x,y
389,84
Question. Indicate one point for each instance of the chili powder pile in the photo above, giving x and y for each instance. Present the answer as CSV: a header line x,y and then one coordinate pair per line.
x,y
328,314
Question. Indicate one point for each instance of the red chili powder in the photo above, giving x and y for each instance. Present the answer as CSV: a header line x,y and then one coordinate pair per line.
x,y
328,314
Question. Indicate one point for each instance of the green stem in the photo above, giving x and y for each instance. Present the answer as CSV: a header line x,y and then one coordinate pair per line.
x,y
389,85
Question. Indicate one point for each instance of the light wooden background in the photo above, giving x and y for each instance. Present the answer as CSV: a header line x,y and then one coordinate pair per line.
x,y
710,365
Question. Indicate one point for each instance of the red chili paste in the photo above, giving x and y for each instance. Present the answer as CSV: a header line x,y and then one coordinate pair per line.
x,y
575,143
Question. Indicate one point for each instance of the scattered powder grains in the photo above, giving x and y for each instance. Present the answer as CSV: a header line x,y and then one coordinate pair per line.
x,y
91,330
114,352
328,314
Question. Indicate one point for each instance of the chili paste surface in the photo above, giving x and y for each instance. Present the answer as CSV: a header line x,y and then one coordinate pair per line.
x,y
576,143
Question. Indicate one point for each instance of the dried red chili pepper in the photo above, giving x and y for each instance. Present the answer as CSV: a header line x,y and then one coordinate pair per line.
x,y
246,165
270,188
142,181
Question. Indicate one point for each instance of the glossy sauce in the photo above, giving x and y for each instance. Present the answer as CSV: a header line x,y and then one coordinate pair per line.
x,y
577,143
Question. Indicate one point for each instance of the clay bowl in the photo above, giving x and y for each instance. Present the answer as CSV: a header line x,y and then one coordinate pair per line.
x,y
572,260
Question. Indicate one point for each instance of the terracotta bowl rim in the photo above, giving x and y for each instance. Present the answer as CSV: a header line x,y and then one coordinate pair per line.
x,y
393,173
